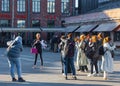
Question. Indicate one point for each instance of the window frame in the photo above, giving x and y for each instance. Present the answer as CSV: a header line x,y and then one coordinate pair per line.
x,y
5,5
36,26
21,4
7,25
51,6
38,7
64,5
50,21
21,24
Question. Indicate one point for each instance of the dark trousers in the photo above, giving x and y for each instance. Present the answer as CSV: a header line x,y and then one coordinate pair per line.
x,y
94,63
36,56
83,68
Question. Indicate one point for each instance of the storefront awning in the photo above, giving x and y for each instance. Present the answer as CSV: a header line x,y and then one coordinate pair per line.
x,y
86,28
106,27
33,29
71,28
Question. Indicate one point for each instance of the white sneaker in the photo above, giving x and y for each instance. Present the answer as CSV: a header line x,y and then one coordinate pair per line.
x,y
63,74
90,75
34,67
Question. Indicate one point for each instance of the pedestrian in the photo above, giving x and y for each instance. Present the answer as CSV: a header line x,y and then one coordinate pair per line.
x,y
69,55
93,56
14,50
37,44
61,48
100,43
81,57
107,60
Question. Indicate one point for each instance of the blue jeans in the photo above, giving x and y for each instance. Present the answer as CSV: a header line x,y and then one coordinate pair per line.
x,y
12,63
71,62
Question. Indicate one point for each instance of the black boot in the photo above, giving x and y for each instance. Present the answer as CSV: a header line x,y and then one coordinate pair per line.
x,y
21,80
14,79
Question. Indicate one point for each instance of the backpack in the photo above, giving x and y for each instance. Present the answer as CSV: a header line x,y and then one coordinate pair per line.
x,y
70,48
101,50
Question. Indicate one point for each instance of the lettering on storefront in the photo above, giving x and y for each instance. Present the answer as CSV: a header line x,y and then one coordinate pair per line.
x,y
5,16
21,16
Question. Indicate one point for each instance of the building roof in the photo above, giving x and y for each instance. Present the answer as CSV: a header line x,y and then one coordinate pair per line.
x,y
98,16
107,6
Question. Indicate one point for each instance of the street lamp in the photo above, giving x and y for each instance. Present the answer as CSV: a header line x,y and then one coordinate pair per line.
x,y
12,13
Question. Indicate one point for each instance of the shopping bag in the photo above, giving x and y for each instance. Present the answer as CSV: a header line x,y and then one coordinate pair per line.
x,y
34,50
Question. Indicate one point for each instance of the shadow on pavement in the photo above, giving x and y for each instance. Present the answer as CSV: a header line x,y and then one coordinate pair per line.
x,y
45,84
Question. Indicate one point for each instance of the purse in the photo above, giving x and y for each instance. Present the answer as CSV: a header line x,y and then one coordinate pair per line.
x,y
34,50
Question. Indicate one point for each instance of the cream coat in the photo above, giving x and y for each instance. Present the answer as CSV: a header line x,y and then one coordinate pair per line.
x,y
81,57
107,60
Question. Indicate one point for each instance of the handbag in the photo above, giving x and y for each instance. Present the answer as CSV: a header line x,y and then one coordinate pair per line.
x,y
34,50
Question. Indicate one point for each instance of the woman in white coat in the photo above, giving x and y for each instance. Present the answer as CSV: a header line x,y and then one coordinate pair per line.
x,y
82,60
107,60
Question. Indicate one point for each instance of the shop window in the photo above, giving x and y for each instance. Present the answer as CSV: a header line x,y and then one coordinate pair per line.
x,y
117,36
51,23
21,23
5,23
35,23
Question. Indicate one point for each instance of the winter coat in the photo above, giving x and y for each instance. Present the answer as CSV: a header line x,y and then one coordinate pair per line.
x,y
81,57
107,60
38,45
15,49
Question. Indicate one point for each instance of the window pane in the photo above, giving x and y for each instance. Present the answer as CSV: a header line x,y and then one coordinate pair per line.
x,y
117,36
21,23
35,5
5,5
51,23
21,5
51,6
35,23
5,23
65,6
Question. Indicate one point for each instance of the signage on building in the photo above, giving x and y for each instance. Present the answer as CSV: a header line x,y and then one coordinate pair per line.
x,y
5,16
21,16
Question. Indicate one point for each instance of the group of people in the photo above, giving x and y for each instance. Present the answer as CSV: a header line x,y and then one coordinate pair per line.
x,y
93,50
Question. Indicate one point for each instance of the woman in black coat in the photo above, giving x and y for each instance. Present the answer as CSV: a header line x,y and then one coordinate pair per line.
x,y
38,45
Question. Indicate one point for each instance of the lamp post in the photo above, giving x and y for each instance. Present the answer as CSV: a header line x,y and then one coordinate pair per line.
x,y
12,13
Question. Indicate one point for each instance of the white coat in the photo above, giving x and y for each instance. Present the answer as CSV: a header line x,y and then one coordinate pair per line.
x,y
107,60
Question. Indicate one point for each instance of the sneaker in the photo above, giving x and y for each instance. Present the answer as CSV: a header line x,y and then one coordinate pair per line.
x,y
14,79
34,67
74,77
63,74
21,80
90,75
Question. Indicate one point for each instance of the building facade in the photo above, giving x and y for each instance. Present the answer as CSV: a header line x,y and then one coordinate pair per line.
x,y
33,14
